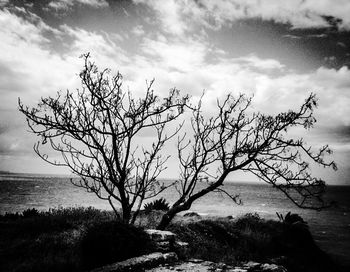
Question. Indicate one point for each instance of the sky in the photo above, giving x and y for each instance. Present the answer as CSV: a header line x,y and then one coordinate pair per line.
x,y
277,51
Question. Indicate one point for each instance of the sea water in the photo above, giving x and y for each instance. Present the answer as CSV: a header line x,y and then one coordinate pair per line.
x,y
330,228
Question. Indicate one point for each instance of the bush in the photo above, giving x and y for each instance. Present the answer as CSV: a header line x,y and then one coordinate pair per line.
x,y
292,219
250,238
46,240
160,205
30,213
112,241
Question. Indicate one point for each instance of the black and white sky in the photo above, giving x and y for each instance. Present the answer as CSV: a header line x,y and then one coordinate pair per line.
x,y
278,51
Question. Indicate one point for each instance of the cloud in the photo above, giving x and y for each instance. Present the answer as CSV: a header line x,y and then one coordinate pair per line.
x,y
292,36
31,68
3,2
64,5
138,30
169,13
178,16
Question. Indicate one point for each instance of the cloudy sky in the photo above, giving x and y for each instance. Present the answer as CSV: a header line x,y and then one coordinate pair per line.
x,y
278,51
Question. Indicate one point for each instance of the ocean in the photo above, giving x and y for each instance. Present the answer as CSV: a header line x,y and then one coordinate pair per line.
x,y
330,228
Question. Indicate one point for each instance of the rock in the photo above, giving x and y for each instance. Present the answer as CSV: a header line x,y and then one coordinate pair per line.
x,y
252,265
181,249
164,246
272,268
191,214
160,235
195,260
259,267
139,263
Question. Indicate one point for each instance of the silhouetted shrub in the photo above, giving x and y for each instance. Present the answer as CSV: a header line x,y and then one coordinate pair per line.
x,y
248,220
30,213
250,238
112,241
159,204
292,219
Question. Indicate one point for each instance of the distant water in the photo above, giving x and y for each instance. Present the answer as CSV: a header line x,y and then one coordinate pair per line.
x,y
330,228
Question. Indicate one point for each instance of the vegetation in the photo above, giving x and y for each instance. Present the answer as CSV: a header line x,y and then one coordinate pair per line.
x,y
95,131
78,239
251,238
70,239
292,218
157,205
235,139
108,242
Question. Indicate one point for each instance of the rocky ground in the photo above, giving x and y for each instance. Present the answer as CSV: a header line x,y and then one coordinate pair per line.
x,y
203,266
168,261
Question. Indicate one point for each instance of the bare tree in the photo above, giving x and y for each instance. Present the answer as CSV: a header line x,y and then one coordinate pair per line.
x,y
238,140
95,131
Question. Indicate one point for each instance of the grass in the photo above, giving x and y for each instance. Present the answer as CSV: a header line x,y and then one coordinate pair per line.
x,y
251,238
78,239
70,239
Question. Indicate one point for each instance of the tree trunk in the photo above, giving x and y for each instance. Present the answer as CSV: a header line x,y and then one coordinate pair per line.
x,y
126,210
166,218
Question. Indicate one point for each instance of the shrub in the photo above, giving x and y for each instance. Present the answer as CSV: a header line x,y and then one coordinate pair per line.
x,y
30,212
112,241
248,220
159,204
292,219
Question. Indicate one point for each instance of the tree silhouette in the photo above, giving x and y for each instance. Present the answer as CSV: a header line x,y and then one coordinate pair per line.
x,y
237,139
95,131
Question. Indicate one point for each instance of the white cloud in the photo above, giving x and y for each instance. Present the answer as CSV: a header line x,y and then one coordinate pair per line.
x,y
179,16
169,13
30,69
63,5
138,30
3,2
263,64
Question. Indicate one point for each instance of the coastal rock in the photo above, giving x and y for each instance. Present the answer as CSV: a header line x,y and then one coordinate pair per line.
x,y
265,267
181,249
139,263
191,214
198,266
160,235
272,268
207,266
252,265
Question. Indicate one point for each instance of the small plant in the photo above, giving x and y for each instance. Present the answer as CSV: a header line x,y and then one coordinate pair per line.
x,y
30,212
159,204
248,218
292,219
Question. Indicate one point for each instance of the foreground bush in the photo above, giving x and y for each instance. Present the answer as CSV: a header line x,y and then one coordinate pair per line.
x,y
251,238
159,205
77,239
108,242
63,239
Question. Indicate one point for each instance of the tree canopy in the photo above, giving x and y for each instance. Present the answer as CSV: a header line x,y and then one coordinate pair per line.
x,y
95,130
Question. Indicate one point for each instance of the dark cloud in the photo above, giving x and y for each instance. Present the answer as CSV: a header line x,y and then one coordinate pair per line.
x,y
339,134
3,128
343,132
